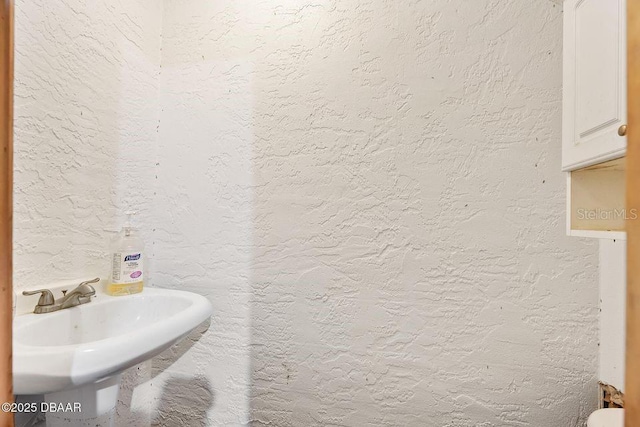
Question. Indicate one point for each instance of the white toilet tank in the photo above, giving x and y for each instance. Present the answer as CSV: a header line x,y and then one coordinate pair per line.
x,y
610,417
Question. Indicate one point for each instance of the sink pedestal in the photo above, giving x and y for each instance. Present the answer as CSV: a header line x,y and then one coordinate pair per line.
x,y
87,406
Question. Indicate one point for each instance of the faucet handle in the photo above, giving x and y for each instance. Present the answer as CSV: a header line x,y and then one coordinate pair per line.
x,y
86,282
45,299
86,289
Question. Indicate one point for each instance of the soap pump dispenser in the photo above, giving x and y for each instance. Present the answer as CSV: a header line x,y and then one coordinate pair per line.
x,y
127,261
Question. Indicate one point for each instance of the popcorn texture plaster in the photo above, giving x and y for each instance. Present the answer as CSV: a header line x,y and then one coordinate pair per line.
x,y
86,117
408,262
369,194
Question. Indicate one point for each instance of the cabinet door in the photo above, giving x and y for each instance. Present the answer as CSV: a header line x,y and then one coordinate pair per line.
x,y
594,82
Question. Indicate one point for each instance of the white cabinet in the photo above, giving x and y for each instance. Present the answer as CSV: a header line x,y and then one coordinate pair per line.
x,y
594,82
594,111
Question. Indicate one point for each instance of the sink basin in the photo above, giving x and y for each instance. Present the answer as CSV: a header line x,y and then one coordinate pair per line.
x,y
90,343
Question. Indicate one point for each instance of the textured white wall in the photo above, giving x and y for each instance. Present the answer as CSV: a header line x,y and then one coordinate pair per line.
x,y
368,192
613,286
204,221
86,113
407,261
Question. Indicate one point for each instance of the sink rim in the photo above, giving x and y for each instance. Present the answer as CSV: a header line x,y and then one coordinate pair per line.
x,y
30,319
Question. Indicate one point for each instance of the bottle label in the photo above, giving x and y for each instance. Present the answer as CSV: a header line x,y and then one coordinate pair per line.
x,y
127,267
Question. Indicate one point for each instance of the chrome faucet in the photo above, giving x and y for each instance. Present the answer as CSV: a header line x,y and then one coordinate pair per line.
x,y
80,295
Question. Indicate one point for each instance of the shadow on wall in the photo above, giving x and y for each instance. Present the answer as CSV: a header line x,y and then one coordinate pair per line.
x,y
184,400
166,359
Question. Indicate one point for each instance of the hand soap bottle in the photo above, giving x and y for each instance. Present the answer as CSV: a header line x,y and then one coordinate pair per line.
x,y
127,261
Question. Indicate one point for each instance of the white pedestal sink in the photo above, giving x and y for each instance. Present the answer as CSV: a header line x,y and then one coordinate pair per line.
x,y
75,356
